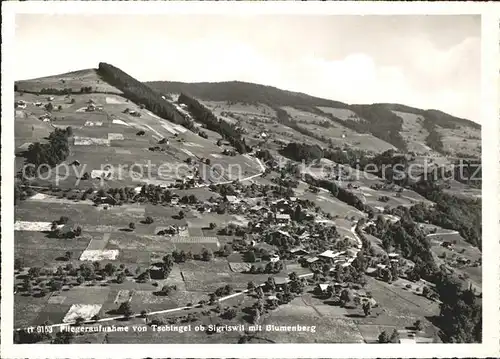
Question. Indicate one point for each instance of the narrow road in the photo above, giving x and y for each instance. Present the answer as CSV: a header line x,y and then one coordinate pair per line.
x,y
164,311
442,234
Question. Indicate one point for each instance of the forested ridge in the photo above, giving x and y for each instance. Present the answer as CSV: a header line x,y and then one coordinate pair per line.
x,y
140,93
377,119
207,118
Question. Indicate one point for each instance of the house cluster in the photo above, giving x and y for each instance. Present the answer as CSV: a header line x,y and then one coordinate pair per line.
x,y
91,107
275,212
132,112
332,258
360,296
172,230
45,117
379,269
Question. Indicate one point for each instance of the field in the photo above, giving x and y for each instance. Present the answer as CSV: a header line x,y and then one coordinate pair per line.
x,y
109,137
462,140
362,184
341,113
454,257
338,135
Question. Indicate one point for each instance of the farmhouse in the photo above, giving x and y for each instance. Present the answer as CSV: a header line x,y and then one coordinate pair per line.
x,y
99,174
272,298
170,230
447,244
312,260
371,271
258,209
321,288
68,231
329,255
156,271
281,281
278,236
231,199
298,251
283,218
106,200
20,104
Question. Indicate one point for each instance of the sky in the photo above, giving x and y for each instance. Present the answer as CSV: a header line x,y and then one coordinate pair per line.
x,y
429,62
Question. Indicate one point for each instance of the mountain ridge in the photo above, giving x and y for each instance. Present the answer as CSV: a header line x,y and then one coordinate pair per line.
x,y
381,120
205,90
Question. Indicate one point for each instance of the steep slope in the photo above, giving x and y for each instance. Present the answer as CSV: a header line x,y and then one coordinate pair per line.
x,y
133,124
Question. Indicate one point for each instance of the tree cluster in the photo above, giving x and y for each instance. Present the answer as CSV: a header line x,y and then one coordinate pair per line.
x,y
138,92
51,153
203,115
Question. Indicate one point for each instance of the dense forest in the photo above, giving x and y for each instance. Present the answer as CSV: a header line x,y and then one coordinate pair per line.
x,y
140,93
380,122
340,193
468,171
433,139
460,310
407,238
450,212
302,152
237,91
51,153
207,118
460,317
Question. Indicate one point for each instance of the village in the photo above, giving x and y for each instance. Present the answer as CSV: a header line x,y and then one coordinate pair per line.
x,y
231,235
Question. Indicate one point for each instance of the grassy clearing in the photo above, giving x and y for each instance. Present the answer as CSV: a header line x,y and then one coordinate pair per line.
x,y
327,329
413,132
33,240
461,140
341,113
131,241
27,309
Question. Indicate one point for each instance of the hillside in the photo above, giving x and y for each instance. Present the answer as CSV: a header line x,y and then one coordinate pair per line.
x,y
383,121
148,206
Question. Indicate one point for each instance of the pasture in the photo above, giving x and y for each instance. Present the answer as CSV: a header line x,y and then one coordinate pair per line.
x,y
463,140
341,113
413,132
